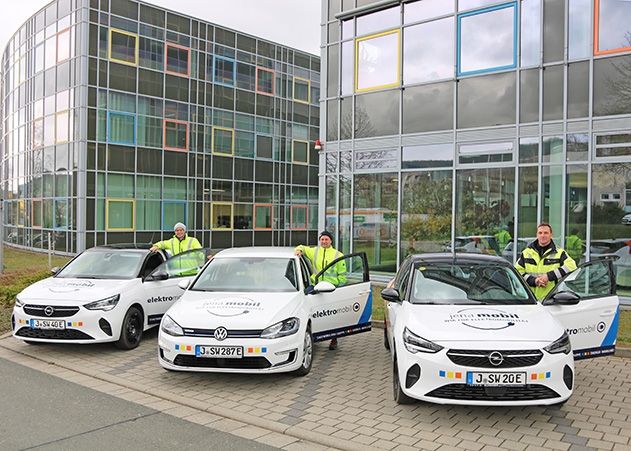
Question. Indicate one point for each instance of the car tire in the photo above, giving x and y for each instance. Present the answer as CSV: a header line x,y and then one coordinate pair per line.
x,y
307,355
399,396
386,343
131,330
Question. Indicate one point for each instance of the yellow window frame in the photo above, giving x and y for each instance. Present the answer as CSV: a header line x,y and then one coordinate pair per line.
x,y
109,47
212,215
107,215
293,90
373,36
293,151
225,129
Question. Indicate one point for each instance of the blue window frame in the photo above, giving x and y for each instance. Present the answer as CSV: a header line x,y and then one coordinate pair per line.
x,y
173,211
121,128
509,58
224,71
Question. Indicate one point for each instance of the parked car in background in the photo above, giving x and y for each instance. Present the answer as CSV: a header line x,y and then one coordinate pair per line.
x,y
626,219
475,244
522,243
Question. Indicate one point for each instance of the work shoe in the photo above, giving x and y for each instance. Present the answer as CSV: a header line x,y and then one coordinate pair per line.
x,y
333,345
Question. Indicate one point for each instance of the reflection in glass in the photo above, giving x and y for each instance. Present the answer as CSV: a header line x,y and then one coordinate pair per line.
x,y
529,96
580,29
348,29
429,156
377,61
552,194
428,51
578,90
577,147
552,149
330,217
375,217
380,20
344,244
612,86
463,5
486,152
552,93
377,114
428,107
331,120
527,203
487,40
426,9
348,67
576,211
488,100
553,30
613,32
332,70
425,211
346,118
530,32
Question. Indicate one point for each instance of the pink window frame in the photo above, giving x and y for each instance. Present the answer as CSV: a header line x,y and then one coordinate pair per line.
x,y
256,83
164,135
166,60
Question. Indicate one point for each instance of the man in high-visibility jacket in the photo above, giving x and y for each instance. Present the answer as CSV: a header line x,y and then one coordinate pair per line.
x,y
542,263
180,242
574,245
320,257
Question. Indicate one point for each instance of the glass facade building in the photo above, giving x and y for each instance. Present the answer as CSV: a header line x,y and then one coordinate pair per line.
x,y
120,119
447,122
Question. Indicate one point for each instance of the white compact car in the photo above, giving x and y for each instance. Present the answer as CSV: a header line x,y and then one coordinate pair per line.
x,y
465,329
259,310
104,294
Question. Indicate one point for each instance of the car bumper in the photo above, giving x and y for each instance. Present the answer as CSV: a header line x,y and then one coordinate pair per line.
x,y
441,381
259,355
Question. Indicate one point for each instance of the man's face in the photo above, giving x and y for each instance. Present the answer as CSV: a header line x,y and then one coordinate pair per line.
x,y
179,233
544,235
325,241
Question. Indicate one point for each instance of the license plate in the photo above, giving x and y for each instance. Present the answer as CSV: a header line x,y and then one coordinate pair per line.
x,y
495,379
48,324
220,352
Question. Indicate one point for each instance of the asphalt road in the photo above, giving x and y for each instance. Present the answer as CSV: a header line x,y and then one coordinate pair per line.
x,y
43,412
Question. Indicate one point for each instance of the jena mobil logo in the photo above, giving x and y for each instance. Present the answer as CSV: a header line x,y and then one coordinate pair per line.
x,y
600,328
227,307
337,311
485,318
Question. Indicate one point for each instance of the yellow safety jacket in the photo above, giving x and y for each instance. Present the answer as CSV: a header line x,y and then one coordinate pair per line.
x,y
574,247
174,246
320,257
503,237
554,262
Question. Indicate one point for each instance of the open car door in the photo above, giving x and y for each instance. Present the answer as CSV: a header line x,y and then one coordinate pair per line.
x,y
161,286
347,309
586,304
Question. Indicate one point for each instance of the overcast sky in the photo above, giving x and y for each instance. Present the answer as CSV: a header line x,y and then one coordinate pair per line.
x,y
295,23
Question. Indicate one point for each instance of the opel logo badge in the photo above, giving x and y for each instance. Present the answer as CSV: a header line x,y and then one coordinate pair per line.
x,y
496,358
48,310
220,333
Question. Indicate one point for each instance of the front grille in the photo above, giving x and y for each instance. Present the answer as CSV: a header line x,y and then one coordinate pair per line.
x,y
463,392
188,332
246,363
480,358
58,311
67,334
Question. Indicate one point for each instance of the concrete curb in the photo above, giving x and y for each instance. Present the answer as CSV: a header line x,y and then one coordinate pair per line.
x,y
623,352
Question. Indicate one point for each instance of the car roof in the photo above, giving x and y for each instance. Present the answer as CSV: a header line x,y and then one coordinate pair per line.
x,y
141,248
459,257
258,251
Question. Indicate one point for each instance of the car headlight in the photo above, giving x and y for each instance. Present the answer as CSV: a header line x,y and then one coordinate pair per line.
x,y
18,303
287,327
168,326
414,343
106,304
560,345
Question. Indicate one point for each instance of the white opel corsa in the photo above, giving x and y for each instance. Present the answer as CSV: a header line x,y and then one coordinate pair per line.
x,y
105,294
259,310
466,329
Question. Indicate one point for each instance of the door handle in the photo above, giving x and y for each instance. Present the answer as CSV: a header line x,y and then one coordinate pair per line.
x,y
607,313
364,292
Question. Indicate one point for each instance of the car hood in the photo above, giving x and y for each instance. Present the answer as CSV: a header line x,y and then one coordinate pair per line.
x,y
234,310
57,290
451,323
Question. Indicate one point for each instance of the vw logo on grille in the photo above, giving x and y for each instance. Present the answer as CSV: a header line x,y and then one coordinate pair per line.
x,y
220,333
496,358
48,310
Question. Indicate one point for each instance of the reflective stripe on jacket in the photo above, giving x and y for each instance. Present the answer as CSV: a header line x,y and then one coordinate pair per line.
x,y
320,257
555,262
175,246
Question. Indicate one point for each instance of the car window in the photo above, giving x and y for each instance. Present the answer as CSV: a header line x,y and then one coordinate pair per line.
x,y
185,264
104,264
591,280
151,263
305,271
349,270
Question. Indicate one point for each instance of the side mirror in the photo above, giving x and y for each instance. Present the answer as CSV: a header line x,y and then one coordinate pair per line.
x,y
566,298
159,275
323,287
184,284
54,270
391,295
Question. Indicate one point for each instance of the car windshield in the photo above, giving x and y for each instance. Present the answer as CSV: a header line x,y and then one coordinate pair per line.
x,y
257,274
104,264
455,283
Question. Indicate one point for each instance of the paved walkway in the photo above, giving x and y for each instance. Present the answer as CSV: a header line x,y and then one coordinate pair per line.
x,y
345,402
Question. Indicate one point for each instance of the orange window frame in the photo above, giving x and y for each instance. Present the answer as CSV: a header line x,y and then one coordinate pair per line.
x,y
597,50
166,60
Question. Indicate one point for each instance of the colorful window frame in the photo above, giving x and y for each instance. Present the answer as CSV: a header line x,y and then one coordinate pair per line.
x,y
515,41
214,225
597,50
177,124
293,151
221,81
258,78
170,45
37,206
109,128
120,60
168,225
63,54
111,201
358,42
292,221
215,140
270,209
293,90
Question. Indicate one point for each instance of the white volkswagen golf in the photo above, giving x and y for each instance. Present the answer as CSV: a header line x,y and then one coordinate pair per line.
x,y
259,310
108,293
465,329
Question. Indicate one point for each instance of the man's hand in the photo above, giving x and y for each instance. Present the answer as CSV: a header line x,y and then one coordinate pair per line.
x,y
154,248
298,252
542,280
